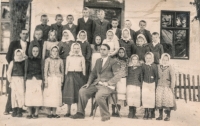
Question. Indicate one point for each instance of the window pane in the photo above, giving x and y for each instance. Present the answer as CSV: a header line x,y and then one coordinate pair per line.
x,y
180,43
182,20
5,36
167,41
167,20
5,15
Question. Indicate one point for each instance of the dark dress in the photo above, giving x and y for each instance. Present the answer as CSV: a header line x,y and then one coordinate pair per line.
x,y
58,29
157,51
141,51
129,46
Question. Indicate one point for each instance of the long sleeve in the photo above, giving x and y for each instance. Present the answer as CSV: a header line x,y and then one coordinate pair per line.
x,y
62,70
10,54
89,52
30,49
44,51
149,37
78,27
133,49
46,68
9,71
83,65
117,75
161,50
116,46
156,74
67,65
172,76
93,74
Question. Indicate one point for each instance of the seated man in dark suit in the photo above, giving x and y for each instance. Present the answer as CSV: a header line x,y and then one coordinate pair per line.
x,y
102,81
18,44
143,31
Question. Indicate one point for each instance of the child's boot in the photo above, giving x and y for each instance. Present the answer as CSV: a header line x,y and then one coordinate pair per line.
x,y
134,112
130,114
14,113
117,113
145,114
19,112
113,110
153,113
150,114
160,115
168,115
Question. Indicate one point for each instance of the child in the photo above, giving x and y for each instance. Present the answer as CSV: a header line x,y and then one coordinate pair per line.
x,y
128,25
86,24
96,50
70,25
101,25
146,33
164,91
150,79
36,42
127,42
122,60
75,72
134,86
156,48
141,47
52,41
116,30
112,41
15,76
58,27
53,79
65,45
86,51
44,27
33,92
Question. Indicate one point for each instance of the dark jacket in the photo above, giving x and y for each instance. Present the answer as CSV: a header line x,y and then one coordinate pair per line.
x,y
72,29
59,30
100,28
34,68
157,51
150,73
147,35
45,29
133,35
12,47
87,26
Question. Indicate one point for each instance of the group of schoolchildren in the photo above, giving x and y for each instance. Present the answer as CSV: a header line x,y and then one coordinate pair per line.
x,y
61,57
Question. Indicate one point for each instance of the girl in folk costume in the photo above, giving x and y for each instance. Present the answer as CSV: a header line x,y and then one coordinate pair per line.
x,y
52,41
33,93
65,45
150,79
15,75
53,79
122,60
86,51
127,42
141,47
134,85
96,50
112,41
164,92
75,72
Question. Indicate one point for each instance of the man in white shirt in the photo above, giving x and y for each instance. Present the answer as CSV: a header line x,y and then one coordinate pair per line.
x,y
101,78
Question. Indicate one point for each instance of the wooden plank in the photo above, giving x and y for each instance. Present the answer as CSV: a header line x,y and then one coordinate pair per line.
x,y
184,82
193,83
198,88
180,92
7,83
175,88
2,79
190,96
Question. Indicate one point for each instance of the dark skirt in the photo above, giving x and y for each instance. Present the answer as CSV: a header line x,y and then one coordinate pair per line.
x,y
73,82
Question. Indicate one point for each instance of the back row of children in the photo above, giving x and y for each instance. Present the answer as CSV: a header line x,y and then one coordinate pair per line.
x,y
66,64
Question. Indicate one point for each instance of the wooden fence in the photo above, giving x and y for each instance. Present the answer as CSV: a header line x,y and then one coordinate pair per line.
x,y
187,86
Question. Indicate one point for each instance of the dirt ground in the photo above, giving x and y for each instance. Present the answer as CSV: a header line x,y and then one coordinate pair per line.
x,y
187,114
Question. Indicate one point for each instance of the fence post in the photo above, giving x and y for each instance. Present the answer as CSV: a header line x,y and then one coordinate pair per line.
x,y
180,92
175,88
198,88
189,87
184,82
193,83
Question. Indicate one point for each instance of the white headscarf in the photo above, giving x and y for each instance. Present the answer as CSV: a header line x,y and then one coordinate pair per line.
x,y
23,55
131,58
129,37
70,38
152,57
163,55
71,53
141,35
54,46
115,38
78,38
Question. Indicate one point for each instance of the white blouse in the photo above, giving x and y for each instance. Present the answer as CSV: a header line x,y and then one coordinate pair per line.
x,y
114,46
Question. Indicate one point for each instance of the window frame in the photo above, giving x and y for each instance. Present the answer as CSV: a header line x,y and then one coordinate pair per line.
x,y
174,28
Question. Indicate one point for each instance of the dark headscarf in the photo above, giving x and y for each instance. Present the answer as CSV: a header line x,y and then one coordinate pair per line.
x,y
125,58
95,44
39,52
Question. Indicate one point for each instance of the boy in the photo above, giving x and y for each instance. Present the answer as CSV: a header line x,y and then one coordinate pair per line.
x,y
101,25
85,23
36,42
70,25
58,27
128,25
116,30
44,27
155,47
143,31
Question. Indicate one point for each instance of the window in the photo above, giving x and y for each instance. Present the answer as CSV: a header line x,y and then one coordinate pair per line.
x,y
175,28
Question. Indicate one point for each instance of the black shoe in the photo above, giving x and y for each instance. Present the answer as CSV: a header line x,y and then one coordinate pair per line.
x,y
113,114
159,118
130,114
67,115
19,115
135,117
117,115
105,119
14,113
78,115
49,116
167,119
35,116
29,116
55,116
